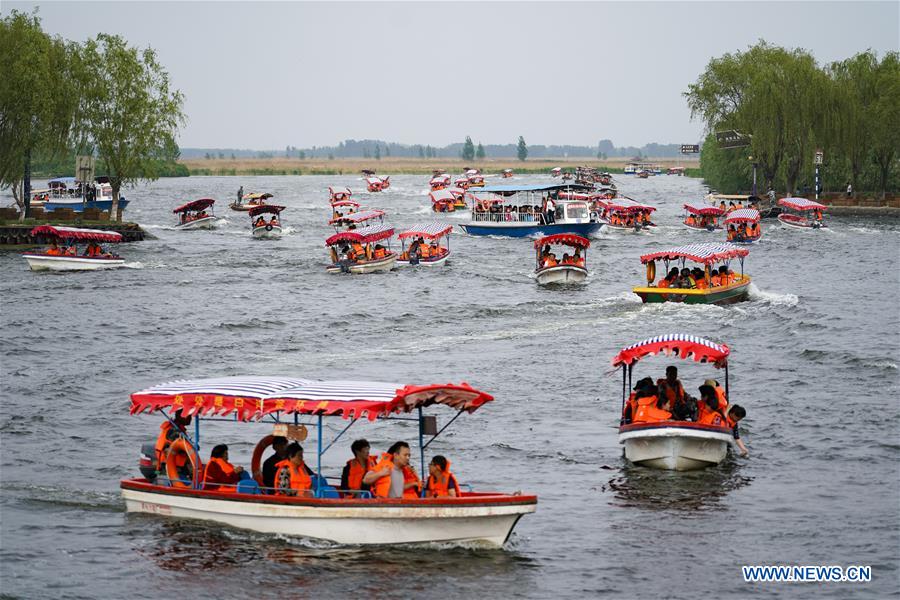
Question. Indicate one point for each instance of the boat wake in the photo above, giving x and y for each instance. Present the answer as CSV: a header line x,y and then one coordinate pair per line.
x,y
133,265
772,298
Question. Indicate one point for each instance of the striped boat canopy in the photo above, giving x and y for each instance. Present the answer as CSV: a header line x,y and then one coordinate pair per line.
x,y
339,191
457,193
251,398
430,231
627,205
801,204
74,233
705,254
743,215
195,205
440,179
678,344
371,180
361,216
698,208
568,239
264,209
442,195
365,235
340,203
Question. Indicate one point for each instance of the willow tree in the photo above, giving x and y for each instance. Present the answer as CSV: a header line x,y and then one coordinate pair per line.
x,y
885,114
130,112
855,89
37,100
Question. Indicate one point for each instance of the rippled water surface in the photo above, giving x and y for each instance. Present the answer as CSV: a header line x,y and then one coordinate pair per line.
x,y
814,360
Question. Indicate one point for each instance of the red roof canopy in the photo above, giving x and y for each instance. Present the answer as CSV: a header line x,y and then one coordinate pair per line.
x,y
567,239
680,345
359,217
706,254
339,203
743,215
703,209
195,205
265,208
801,204
366,235
72,233
430,231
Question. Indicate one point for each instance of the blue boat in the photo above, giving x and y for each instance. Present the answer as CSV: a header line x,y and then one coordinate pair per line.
x,y
65,192
517,211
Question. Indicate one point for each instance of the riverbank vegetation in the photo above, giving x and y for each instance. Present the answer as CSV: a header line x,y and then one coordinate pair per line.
x,y
102,97
789,107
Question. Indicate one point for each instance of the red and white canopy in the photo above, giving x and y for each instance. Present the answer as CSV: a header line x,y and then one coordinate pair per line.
x,y
339,191
365,235
440,179
361,216
201,204
555,170
706,254
574,196
678,344
743,215
626,205
801,204
265,208
373,180
430,231
251,398
703,209
457,192
442,195
73,233
460,180
340,203
566,239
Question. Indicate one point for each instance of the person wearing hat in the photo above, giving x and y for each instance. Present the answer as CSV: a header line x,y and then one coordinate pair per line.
x,y
631,405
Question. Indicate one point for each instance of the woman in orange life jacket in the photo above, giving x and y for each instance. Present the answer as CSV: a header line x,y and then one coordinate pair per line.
x,y
721,400
671,392
392,477
699,278
441,482
630,408
648,407
54,249
578,259
708,407
733,414
355,469
293,477
168,433
219,472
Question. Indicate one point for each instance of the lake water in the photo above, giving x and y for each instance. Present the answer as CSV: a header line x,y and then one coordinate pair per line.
x,y
814,360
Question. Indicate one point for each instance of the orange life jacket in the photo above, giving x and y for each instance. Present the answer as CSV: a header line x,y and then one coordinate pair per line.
x,y
708,416
226,468
358,250
648,413
579,262
93,251
549,261
382,487
357,472
300,479
663,283
54,251
409,476
439,487
672,395
162,444
720,394
701,283
380,253
424,251
714,280
70,251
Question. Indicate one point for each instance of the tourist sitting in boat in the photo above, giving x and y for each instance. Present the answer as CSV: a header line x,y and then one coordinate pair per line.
x,y
293,476
685,281
726,277
722,206
94,250
380,252
274,221
219,472
549,260
441,482
54,249
699,278
708,407
259,222
71,250
170,431
630,407
578,260
355,470
270,466
670,279
392,477
671,392
647,407
566,259
357,252
731,206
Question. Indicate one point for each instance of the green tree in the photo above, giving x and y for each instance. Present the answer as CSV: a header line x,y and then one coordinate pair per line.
x,y
377,152
468,150
885,113
728,171
479,152
130,112
521,149
38,100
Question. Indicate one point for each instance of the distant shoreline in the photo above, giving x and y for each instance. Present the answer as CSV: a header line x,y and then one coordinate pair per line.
x,y
412,166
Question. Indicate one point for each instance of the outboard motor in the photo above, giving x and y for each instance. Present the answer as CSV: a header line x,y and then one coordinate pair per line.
x,y
147,463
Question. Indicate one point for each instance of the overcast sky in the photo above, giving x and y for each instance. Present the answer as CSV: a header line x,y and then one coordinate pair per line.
x,y
267,75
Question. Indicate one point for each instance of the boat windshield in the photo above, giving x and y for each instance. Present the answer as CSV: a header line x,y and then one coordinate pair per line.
x,y
577,210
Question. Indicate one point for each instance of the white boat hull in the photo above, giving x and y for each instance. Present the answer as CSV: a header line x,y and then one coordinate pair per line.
x,y
632,229
342,523
39,262
802,224
425,263
372,266
704,229
675,448
561,274
204,223
267,232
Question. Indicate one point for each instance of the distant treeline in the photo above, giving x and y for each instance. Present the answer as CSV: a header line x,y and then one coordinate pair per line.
x,y
787,108
378,148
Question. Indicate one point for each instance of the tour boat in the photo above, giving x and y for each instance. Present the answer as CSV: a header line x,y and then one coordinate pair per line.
x,y
802,213
643,174
708,255
702,217
197,214
443,200
555,172
339,206
742,226
474,181
624,214
462,183
676,170
356,251
338,194
377,184
57,259
506,174
439,182
353,220
670,444
425,245
767,208
515,211
276,405
552,269
633,168
250,200
459,197
263,229
65,192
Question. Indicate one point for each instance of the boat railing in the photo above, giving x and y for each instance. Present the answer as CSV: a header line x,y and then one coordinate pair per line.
x,y
507,217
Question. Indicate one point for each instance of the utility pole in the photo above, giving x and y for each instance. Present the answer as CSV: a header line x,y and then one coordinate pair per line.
x,y
820,158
